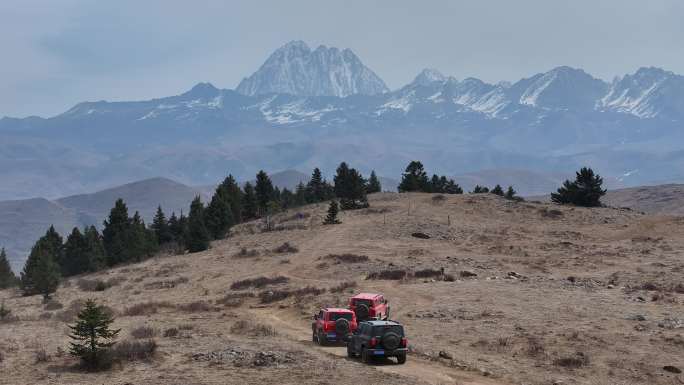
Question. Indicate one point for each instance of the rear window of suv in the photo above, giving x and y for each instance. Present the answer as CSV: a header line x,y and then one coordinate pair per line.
x,y
336,316
381,330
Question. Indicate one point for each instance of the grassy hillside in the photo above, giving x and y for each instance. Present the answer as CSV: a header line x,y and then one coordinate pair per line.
x,y
535,294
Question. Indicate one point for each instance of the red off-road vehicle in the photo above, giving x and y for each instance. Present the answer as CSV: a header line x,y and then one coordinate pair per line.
x,y
333,325
369,306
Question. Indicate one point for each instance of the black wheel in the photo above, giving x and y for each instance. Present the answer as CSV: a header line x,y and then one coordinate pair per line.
x,y
365,357
401,359
350,352
313,336
321,340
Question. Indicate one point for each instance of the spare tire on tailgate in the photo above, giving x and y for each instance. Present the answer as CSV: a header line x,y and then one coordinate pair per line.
x,y
391,340
362,312
342,326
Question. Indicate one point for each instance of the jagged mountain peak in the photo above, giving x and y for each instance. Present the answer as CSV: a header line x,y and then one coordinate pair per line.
x,y
429,76
202,90
326,71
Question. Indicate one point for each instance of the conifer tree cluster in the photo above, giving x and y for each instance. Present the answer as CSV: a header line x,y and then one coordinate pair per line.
x,y
509,194
126,239
585,191
415,179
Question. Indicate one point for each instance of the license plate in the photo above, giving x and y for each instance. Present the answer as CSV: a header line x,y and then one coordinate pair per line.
x,y
332,335
379,352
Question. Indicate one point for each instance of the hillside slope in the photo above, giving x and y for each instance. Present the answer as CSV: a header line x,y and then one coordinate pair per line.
x,y
541,294
22,222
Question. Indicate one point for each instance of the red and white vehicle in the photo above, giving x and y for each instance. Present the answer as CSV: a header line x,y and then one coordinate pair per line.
x,y
333,325
369,306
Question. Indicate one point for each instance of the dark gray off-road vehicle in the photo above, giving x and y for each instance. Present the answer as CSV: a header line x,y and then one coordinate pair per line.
x,y
378,339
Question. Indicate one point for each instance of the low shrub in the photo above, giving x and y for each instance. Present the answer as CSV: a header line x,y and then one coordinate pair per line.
x,y
286,248
258,282
243,327
171,332
92,284
347,258
53,304
195,307
577,361
271,296
343,286
428,273
41,356
143,332
245,253
535,347
387,275
166,284
553,213
234,299
146,308
134,350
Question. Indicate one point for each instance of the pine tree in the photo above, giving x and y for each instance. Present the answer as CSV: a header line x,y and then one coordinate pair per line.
x,y
219,214
287,199
316,187
479,190
161,229
373,184
510,193
301,195
41,272
116,233
264,191
198,236
333,210
92,336
250,206
234,195
497,190
452,187
350,187
585,191
141,241
414,178
435,186
175,228
94,249
76,259
7,277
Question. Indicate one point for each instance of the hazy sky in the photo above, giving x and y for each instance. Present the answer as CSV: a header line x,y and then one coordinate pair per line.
x,y
56,53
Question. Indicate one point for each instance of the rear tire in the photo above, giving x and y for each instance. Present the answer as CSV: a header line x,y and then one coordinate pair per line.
x,y
365,357
401,359
313,336
321,340
350,352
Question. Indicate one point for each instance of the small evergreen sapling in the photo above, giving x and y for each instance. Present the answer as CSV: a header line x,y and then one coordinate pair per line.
x,y
333,210
92,336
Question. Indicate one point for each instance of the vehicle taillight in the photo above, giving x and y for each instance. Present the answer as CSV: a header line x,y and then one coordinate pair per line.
x,y
373,342
327,326
404,342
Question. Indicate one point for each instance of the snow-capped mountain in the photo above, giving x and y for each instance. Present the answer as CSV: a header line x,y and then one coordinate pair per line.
x,y
297,70
307,108
648,93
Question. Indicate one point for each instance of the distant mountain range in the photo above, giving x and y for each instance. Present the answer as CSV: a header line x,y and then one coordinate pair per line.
x,y
305,108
